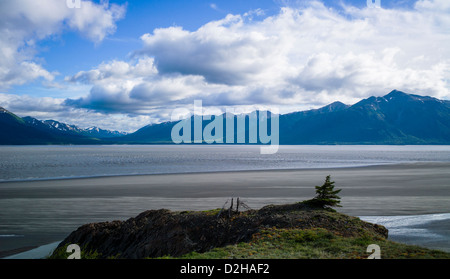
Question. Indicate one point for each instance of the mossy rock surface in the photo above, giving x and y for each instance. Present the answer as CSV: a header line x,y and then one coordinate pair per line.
x,y
158,233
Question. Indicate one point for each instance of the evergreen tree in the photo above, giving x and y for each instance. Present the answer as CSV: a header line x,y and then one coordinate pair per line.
x,y
326,196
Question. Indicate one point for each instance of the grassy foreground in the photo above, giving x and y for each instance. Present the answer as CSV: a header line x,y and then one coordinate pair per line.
x,y
317,243
307,234
273,243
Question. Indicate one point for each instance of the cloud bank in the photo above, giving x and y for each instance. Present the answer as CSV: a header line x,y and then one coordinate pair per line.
x,y
304,56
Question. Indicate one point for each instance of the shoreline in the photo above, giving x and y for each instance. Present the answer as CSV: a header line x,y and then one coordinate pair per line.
x,y
17,251
424,183
378,165
199,172
37,252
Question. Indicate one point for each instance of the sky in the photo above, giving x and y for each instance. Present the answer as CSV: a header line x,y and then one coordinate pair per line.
x,y
121,65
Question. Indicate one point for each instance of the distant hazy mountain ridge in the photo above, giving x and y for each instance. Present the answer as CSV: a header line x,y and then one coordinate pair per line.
x,y
29,130
396,118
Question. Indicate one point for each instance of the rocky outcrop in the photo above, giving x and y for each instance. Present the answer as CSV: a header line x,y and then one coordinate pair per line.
x,y
156,233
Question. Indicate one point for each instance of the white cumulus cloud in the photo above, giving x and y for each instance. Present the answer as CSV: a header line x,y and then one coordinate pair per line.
x,y
299,58
25,22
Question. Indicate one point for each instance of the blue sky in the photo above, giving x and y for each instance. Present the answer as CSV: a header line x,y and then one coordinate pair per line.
x,y
124,64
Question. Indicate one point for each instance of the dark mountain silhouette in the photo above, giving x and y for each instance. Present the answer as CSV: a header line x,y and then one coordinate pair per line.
x,y
14,130
396,118
29,130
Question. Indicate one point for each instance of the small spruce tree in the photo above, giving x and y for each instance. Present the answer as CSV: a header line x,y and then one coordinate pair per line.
x,y
326,196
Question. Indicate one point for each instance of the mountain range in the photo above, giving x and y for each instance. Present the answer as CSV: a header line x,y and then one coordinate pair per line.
x,y
396,118
29,130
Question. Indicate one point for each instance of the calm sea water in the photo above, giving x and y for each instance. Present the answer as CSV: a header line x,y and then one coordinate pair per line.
x,y
41,162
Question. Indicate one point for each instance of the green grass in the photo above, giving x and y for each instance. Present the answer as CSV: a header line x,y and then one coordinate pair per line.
x,y
212,211
314,244
313,234
61,253
318,243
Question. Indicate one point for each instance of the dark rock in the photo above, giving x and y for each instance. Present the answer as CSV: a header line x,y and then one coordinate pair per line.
x,y
157,233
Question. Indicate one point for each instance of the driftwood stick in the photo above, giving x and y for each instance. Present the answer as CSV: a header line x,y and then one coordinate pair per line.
x,y
231,208
223,208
